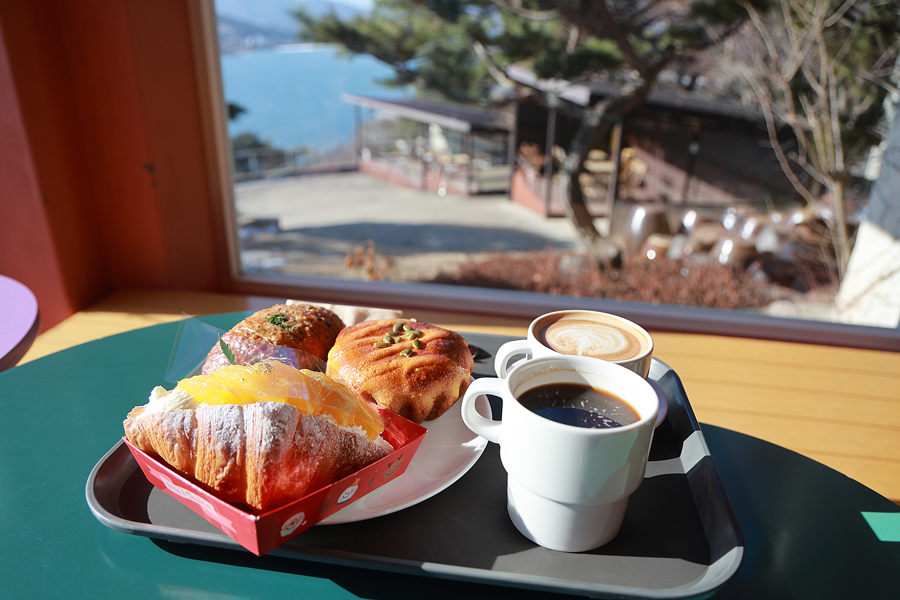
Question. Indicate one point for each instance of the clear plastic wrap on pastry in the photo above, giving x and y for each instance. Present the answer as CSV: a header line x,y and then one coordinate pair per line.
x,y
311,392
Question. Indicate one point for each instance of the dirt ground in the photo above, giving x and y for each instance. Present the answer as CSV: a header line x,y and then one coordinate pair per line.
x,y
353,226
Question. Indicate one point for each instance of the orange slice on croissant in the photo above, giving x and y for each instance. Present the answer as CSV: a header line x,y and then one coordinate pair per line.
x,y
311,392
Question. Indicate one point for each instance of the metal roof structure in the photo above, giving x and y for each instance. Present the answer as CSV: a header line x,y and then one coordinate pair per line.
x,y
451,117
582,93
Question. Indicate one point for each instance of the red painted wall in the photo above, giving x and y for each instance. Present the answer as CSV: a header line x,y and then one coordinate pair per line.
x,y
27,249
103,95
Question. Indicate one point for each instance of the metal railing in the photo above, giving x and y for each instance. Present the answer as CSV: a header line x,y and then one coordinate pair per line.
x,y
267,163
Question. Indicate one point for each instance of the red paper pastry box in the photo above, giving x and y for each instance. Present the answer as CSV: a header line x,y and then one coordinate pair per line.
x,y
264,532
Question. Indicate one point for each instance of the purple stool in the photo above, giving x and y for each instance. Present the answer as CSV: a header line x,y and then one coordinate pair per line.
x,y
20,321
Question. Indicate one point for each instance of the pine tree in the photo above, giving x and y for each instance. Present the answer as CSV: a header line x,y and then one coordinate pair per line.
x,y
459,50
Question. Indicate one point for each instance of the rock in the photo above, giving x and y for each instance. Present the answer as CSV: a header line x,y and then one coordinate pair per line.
x,y
632,224
768,240
705,235
656,245
677,247
733,251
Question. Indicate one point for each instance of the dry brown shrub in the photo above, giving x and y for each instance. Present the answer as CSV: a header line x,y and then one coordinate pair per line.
x,y
364,258
657,281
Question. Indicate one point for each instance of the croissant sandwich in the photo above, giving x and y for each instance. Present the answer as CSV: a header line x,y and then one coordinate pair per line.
x,y
259,435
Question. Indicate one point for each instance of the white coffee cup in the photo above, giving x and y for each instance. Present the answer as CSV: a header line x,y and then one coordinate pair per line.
x,y
590,333
567,486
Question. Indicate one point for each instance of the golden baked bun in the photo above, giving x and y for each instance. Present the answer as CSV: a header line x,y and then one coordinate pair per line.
x,y
277,331
418,373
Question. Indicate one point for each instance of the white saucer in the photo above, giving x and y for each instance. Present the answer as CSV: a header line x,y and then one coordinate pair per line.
x,y
448,451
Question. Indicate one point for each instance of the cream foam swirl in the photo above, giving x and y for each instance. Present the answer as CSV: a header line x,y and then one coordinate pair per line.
x,y
590,338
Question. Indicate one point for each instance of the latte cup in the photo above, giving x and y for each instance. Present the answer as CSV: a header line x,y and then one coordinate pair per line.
x,y
567,486
582,333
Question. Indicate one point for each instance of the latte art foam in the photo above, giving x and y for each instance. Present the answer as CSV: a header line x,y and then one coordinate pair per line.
x,y
582,337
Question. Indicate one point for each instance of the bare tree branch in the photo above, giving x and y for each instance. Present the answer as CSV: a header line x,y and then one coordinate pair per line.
x,y
766,105
804,80
799,50
495,71
833,19
837,142
572,42
781,82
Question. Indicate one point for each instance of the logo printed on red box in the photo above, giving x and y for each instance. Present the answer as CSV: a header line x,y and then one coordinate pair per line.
x,y
291,525
392,467
348,493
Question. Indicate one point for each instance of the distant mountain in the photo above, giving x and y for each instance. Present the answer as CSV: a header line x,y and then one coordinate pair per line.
x,y
238,36
275,15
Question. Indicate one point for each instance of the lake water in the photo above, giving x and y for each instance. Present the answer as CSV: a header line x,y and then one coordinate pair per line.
x,y
292,93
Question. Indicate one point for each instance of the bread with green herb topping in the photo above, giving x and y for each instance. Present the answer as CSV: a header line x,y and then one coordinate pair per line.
x,y
299,334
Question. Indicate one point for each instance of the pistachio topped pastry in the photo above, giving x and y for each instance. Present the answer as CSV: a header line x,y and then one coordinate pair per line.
x,y
413,369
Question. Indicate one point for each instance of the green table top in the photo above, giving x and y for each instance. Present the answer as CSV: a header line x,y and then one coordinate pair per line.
x,y
806,527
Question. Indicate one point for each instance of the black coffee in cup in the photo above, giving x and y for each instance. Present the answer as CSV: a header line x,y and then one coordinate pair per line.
x,y
579,406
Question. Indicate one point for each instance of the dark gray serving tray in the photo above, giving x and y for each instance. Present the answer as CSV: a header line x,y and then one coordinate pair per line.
x,y
679,539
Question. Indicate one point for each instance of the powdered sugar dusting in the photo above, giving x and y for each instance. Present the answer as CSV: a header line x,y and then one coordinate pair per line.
x,y
261,454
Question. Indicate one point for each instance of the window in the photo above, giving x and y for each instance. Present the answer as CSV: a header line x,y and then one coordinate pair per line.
x,y
338,187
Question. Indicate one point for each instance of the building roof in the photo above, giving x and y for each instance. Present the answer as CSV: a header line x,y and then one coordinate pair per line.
x,y
452,117
583,93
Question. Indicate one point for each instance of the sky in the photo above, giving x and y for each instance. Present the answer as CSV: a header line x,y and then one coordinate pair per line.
x,y
364,4
274,13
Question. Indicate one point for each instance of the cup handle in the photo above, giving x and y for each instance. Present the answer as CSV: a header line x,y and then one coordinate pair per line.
x,y
486,428
507,351
663,402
